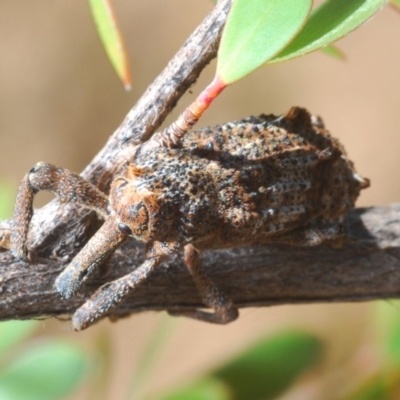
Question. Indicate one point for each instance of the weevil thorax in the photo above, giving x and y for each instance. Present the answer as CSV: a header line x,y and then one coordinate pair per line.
x,y
166,195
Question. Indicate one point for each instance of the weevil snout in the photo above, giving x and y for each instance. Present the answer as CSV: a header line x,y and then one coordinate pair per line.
x,y
128,215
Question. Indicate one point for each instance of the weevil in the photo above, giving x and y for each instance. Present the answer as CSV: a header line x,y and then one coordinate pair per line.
x,y
267,179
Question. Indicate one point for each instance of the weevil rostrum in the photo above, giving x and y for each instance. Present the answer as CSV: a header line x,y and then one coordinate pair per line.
x,y
263,179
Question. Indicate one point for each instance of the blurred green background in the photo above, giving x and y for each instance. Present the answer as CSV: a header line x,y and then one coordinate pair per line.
x,y
59,102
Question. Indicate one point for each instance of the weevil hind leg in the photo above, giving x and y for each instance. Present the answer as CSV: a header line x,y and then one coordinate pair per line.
x,y
224,309
110,294
315,233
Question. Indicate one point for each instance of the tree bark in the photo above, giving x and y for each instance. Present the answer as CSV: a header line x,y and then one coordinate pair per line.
x,y
367,267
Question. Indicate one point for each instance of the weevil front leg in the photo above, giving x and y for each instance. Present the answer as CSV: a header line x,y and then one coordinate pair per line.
x,y
112,293
67,186
92,256
224,309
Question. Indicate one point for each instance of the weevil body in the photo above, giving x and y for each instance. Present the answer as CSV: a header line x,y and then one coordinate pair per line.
x,y
260,180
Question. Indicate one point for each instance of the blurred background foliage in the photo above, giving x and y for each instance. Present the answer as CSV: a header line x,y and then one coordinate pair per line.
x,y
60,101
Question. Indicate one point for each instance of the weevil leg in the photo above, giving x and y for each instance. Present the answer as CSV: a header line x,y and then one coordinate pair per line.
x,y
69,187
316,233
224,309
90,258
111,294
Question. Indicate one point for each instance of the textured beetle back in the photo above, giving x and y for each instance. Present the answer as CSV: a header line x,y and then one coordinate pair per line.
x,y
251,180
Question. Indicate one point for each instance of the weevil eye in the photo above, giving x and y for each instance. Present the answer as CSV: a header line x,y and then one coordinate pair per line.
x,y
124,229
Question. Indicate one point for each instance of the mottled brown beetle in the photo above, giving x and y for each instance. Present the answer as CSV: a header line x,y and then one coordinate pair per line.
x,y
264,179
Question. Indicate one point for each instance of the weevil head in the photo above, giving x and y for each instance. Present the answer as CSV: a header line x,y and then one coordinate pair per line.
x,y
130,205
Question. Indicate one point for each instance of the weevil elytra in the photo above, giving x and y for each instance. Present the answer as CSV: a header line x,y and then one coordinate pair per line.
x,y
263,179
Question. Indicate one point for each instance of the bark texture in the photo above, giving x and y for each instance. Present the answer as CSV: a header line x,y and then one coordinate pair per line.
x,y
367,267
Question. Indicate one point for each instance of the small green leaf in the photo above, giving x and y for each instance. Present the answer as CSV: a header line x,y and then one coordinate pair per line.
x,y
333,51
256,30
204,389
395,3
110,36
270,367
13,332
388,326
45,372
329,22
7,198
373,388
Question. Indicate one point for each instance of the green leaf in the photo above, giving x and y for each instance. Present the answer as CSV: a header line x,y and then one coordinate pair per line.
x,y
395,3
373,388
270,367
333,51
388,326
110,36
329,22
47,371
256,30
204,389
7,198
13,332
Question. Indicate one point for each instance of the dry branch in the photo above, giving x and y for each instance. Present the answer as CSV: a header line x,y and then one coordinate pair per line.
x,y
367,267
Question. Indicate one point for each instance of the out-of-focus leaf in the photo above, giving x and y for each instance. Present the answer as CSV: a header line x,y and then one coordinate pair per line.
x,y
395,3
374,388
204,389
256,30
99,383
151,354
13,332
47,371
7,197
107,28
388,324
333,51
329,22
270,367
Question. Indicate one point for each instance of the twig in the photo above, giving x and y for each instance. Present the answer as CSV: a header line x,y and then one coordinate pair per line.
x,y
367,267
161,97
